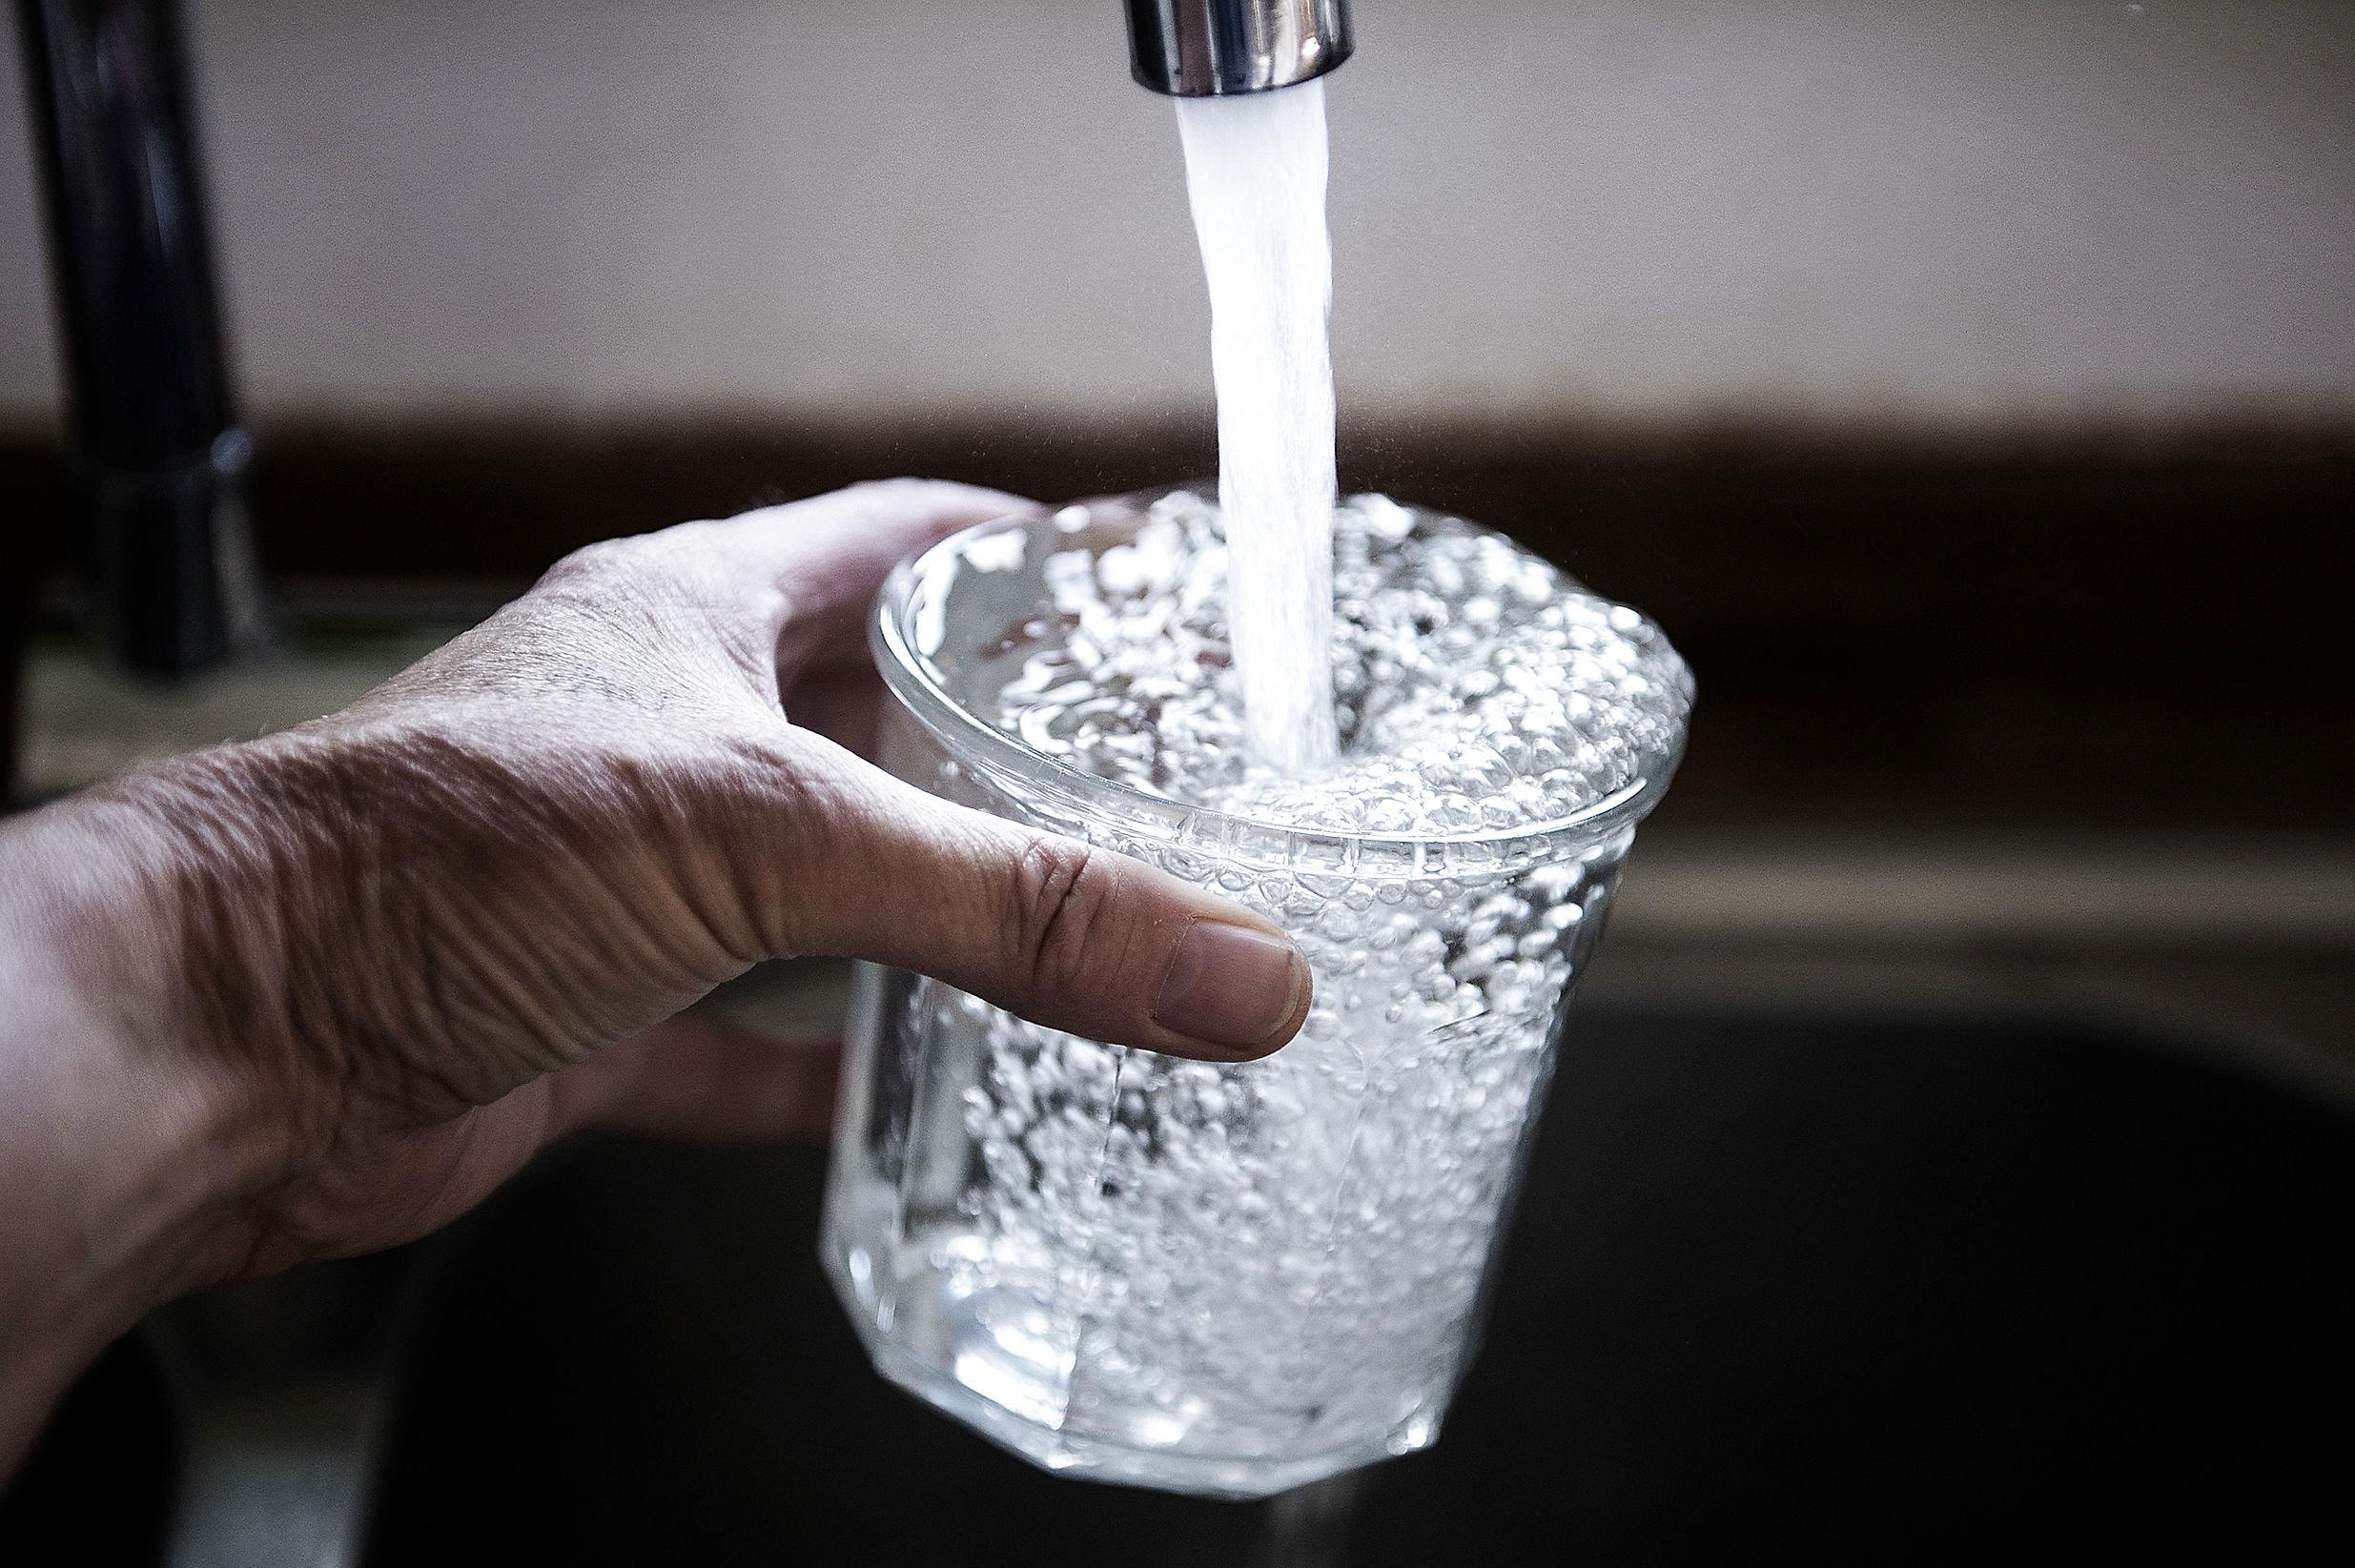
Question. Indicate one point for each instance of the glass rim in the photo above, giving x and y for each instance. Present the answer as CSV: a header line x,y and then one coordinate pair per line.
x,y
1226,835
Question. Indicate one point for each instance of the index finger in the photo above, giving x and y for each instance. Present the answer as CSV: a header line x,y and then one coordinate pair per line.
x,y
826,556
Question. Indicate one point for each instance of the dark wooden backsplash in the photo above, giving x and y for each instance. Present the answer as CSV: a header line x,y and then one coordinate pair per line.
x,y
2040,629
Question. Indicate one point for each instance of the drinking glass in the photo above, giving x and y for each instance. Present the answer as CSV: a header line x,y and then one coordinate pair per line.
x,y
1218,1279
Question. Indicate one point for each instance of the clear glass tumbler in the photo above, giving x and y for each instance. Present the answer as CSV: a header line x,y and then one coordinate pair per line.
x,y
1227,1280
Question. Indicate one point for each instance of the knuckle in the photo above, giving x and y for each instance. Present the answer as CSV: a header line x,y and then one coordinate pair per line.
x,y
1062,896
902,487
590,563
881,501
647,572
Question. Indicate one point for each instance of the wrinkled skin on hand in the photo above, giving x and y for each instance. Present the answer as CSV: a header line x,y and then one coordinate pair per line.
x,y
571,822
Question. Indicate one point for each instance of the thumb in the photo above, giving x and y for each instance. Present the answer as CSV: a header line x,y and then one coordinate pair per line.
x,y
1073,937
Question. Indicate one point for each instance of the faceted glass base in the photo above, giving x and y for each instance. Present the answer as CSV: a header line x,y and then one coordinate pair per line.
x,y
1240,1479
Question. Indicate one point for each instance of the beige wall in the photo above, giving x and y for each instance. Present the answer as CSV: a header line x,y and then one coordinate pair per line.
x,y
1674,208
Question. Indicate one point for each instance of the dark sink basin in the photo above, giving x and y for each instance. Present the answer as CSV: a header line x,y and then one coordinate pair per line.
x,y
97,1488
1825,1287
1830,1286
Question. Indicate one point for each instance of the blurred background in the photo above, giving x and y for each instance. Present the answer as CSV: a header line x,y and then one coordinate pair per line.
x,y
1969,389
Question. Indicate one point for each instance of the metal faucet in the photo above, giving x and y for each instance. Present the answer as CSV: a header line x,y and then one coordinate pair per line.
x,y
157,448
1200,48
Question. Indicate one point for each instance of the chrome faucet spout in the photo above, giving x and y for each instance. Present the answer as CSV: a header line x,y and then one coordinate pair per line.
x,y
1200,48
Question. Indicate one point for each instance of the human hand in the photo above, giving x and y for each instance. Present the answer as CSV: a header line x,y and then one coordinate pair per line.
x,y
345,980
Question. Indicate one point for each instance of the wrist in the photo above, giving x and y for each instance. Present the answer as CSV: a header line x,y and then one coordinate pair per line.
x,y
126,1158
